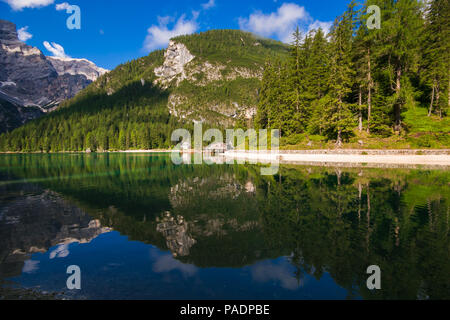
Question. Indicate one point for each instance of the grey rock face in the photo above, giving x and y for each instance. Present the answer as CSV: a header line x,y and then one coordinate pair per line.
x,y
74,67
25,72
177,56
13,115
30,79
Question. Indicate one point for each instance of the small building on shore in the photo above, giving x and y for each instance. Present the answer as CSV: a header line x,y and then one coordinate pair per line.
x,y
218,147
185,146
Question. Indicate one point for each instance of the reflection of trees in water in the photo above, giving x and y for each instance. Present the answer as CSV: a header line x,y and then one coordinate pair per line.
x,y
325,220
343,222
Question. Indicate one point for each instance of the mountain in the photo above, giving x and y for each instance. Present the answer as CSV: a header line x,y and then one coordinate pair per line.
x,y
74,67
30,79
212,77
13,115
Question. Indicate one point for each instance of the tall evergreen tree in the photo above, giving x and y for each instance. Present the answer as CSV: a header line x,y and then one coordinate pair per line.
x,y
337,111
364,52
402,25
436,58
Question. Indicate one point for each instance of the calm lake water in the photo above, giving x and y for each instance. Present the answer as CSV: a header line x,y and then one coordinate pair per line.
x,y
140,227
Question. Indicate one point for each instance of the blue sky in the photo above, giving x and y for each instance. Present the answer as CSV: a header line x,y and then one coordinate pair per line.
x,y
116,31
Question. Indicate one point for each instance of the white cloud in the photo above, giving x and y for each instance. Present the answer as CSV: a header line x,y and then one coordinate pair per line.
x,y
23,34
18,5
166,263
56,49
271,272
62,6
325,26
280,24
30,266
159,36
210,4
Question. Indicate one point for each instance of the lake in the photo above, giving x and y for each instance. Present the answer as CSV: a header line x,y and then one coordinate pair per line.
x,y
140,227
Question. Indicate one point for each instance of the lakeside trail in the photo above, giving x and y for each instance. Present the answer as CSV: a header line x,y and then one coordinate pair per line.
x,y
339,157
352,158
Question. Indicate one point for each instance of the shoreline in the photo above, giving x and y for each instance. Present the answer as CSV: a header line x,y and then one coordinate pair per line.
x,y
351,157
341,157
365,152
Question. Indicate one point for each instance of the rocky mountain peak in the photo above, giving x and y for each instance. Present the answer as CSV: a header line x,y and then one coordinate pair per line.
x,y
177,56
30,79
7,31
77,67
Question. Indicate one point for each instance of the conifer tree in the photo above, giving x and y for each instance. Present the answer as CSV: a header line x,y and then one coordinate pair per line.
x,y
436,58
319,64
402,25
364,52
337,109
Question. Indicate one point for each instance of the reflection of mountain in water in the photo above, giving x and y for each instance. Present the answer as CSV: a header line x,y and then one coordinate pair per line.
x,y
211,203
325,221
222,212
176,233
37,221
204,200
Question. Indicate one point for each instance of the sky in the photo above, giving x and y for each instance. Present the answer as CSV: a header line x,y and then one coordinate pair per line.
x,y
116,31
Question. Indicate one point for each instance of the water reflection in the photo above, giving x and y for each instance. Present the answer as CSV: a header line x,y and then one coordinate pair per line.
x,y
221,231
33,221
175,231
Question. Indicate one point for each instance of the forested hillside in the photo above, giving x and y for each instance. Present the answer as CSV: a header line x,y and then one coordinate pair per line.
x,y
116,112
355,87
128,109
383,87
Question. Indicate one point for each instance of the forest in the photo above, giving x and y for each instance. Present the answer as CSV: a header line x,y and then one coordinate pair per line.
x,y
353,87
365,82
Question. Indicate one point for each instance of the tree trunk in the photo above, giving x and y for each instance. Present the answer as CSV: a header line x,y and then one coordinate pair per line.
x,y
397,105
360,126
339,134
432,101
438,96
369,93
359,202
338,176
339,138
448,89
368,216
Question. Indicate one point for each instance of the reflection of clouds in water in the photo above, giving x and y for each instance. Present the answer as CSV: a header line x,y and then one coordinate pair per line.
x,y
281,272
167,263
30,266
61,251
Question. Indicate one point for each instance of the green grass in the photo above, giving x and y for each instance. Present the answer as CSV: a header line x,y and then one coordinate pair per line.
x,y
421,132
417,120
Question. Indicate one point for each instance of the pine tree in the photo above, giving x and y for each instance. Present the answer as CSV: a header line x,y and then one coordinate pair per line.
x,y
436,59
402,25
364,51
266,99
319,64
337,109
295,113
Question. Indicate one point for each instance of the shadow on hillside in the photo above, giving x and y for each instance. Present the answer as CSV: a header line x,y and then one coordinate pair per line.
x,y
133,94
